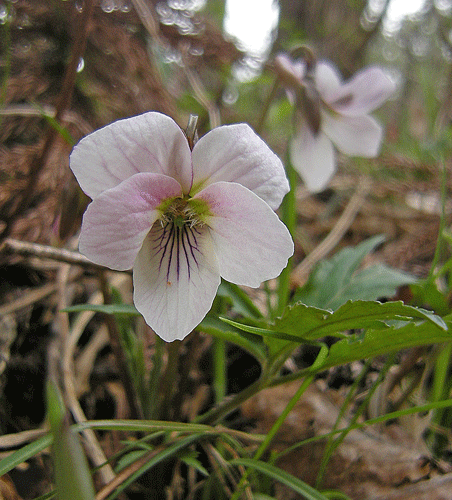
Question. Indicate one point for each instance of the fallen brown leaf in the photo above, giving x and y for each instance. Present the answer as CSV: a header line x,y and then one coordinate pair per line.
x,y
370,464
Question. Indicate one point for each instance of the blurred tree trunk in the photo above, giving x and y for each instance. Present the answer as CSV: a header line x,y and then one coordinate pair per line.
x,y
339,30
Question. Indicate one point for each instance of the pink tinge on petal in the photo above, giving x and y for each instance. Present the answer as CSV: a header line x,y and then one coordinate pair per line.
x,y
363,93
251,243
151,142
234,153
175,279
354,136
117,221
313,157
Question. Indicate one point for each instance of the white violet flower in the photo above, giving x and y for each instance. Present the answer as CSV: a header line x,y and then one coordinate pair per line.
x,y
336,113
181,217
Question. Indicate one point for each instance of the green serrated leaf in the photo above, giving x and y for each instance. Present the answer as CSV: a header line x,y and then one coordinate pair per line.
x,y
337,280
427,292
311,323
379,342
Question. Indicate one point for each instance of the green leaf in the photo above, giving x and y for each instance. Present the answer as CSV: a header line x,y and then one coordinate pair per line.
x,y
218,329
72,475
171,451
392,339
241,302
146,426
190,458
63,131
125,309
376,282
128,459
427,292
46,496
264,332
308,492
310,323
23,454
337,280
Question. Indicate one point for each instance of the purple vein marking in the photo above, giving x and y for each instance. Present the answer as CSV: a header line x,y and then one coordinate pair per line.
x,y
170,241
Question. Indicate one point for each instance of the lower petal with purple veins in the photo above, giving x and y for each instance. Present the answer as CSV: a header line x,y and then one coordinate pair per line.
x,y
176,278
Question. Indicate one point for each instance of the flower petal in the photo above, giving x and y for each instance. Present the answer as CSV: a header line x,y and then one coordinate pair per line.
x,y
328,81
175,279
251,243
151,142
313,157
117,221
234,153
354,135
364,93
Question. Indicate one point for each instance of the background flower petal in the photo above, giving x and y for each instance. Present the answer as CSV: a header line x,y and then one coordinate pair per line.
x,y
234,153
353,135
251,243
328,81
173,302
151,142
363,93
117,221
313,157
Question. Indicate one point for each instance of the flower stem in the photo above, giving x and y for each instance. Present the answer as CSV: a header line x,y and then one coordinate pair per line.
x,y
219,363
272,432
152,411
289,217
169,380
266,107
442,224
216,414
117,348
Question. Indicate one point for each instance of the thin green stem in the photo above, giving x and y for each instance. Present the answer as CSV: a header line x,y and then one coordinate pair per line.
x,y
229,404
289,217
266,107
442,223
440,379
447,403
281,419
168,384
157,359
332,446
440,389
219,369
118,351
272,433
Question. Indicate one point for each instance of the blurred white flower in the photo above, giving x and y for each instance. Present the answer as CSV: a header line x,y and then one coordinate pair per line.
x,y
331,112
181,217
